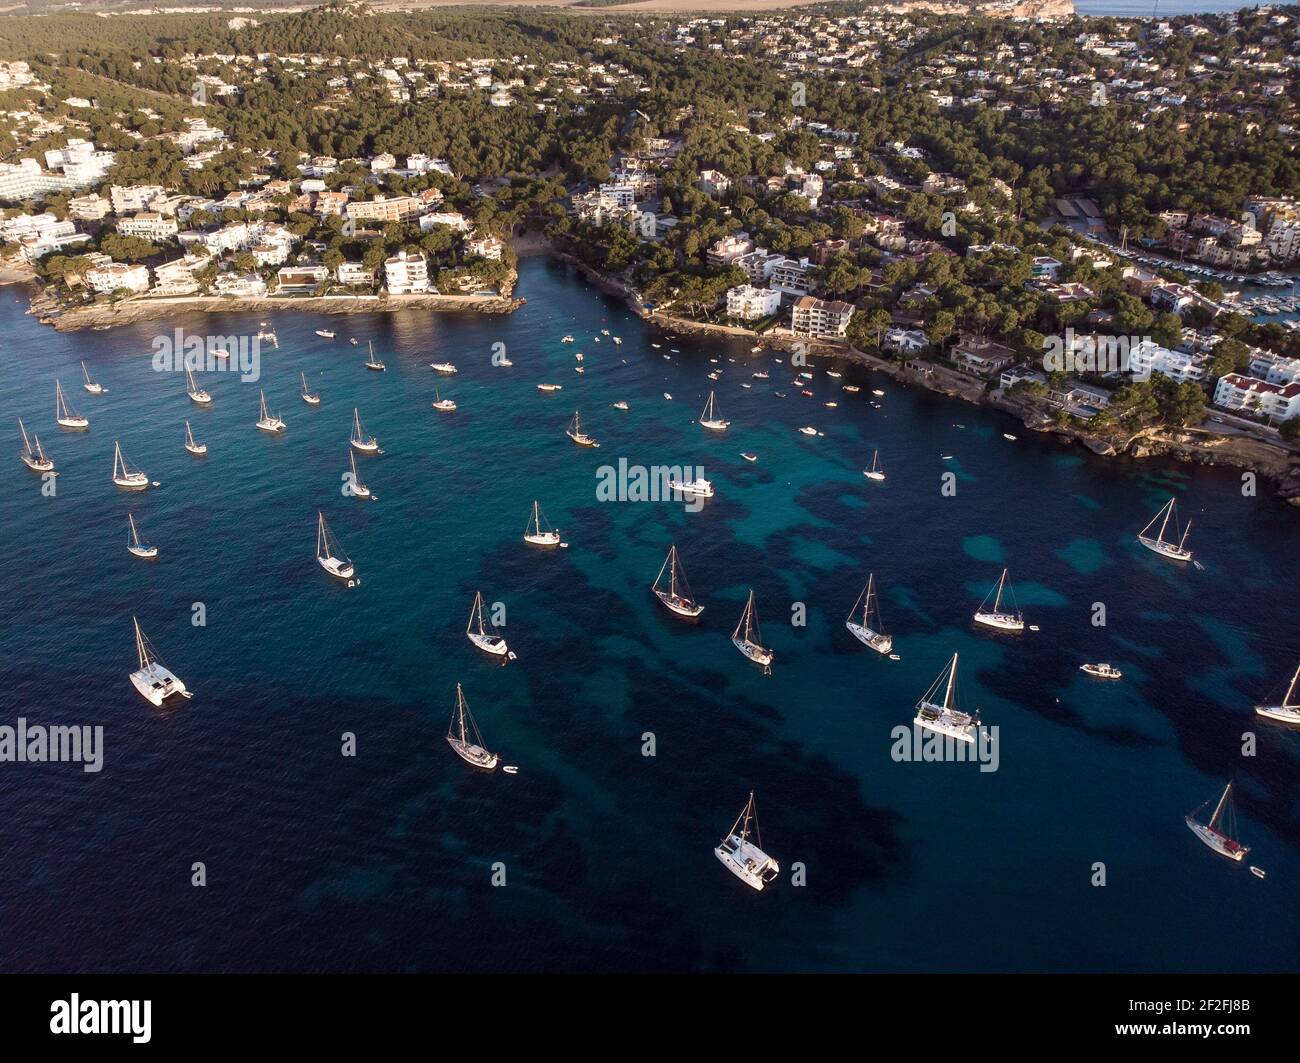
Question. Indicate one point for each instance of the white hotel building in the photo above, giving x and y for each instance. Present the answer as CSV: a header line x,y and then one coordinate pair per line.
x,y
1252,396
748,303
405,273
1149,357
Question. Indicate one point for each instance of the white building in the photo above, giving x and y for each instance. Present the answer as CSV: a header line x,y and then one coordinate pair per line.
x,y
148,224
1250,395
817,317
1149,357
354,273
243,285
132,198
748,303
406,272
113,276
452,219
489,247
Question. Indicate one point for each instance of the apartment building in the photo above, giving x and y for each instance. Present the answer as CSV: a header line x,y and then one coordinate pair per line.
x,y
385,209
1149,357
406,272
817,317
150,225
114,276
1252,396
748,303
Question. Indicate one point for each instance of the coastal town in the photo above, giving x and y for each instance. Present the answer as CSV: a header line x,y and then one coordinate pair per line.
x,y
980,206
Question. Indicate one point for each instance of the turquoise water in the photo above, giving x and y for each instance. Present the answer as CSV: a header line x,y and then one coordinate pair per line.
x,y
384,861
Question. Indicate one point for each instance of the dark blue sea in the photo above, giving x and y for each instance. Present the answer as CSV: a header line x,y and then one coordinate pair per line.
x,y
385,861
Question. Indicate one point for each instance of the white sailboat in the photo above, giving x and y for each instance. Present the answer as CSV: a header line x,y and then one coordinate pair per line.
x,y
307,396
197,395
355,486
463,736
134,544
360,440
710,419
90,385
64,414
749,640
538,531
477,632
126,475
677,596
329,554
152,679
998,618
864,622
267,421
32,454
1288,710
575,432
441,404
372,362
943,717
743,858
1211,834
1175,551
875,472
190,445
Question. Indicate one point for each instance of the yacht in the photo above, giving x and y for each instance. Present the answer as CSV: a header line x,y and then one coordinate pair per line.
x,y
864,620
197,395
445,368
1102,671
1288,709
998,618
699,487
943,717
197,449
489,641
677,596
744,858
538,531
64,415
267,421
463,736
33,454
1175,548
126,475
90,385
1213,835
134,544
154,681
329,554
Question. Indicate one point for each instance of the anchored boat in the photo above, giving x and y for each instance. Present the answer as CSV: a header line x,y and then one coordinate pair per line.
x,y
1288,710
944,717
864,620
65,415
152,679
743,858
490,642
266,420
1211,833
463,736
749,640
32,454
126,475
998,618
677,596
1175,551
197,395
361,440
90,385
538,531
575,432
329,554
194,448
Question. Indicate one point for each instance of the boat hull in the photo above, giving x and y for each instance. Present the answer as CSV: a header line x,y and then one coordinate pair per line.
x,y
882,644
1212,839
955,725
76,424
1164,549
1000,622
474,756
365,448
754,652
143,551
271,427
546,540
747,862
131,484
36,465
679,606
198,449
1281,713
200,398
877,476
343,570
156,684
493,645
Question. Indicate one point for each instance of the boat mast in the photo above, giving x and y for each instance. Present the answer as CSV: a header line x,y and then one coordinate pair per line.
x,y
746,816
135,535
118,461
997,601
141,649
320,533
460,712
1286,700
952,679
1168,511
476,610
26,443
1185,533
1218,810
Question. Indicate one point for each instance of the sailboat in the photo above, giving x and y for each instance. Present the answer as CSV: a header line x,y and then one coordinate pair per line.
x,y
997,617
943,717
439,403
710,419
1288,710
488,641
266,421
875,472
575,432
355,486
307,396
197,394
367,444
190,445
743,858
463,736
329,554
64,414
1160,545
134,544
372,362
1211,834
32,454
539,531
126,475
748,639
865,622
152,679
678,595
90,385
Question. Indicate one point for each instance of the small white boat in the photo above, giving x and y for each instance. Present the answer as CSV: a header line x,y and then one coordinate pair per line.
x,y
808,430
154,681
877,392
1288,709
864,620
190,445
743,858
329,555
372,362
65,415
1008,437
748,456
998,618
510,769
668,397
1102,670
746,386
575,432
307,396
875,472
761,376
463,736
943,717
833,374
578,356
550,387
538,530
830,405
126,475
1175,551
748,639
90,385
1211,834
852,389
267,421
677,596
361,439
354,341
569,339
699,487
490,642
620,405
325,334
710,418
1258,872
33,454
445,368
134,544
354,484
616,339
579,370
439,403
197,395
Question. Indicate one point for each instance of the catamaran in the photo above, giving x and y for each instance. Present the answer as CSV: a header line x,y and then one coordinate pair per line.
x,y
439,403
477,632
190,445
875,472
678,595
135,544
943,717
743,858
372,362
360,440
1211,834
1165,547
307,396
460,732
997,617
64,414
90,385
575,432
1288,710
126,475
329,554
32,454
749,640
266,421
538,531
355,486
710,419
152,679
864,619
197,394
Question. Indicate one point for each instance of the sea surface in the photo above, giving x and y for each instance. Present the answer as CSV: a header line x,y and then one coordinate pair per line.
x,y
385,861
